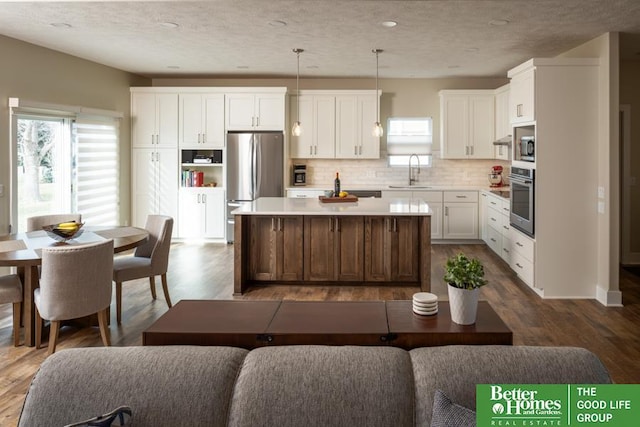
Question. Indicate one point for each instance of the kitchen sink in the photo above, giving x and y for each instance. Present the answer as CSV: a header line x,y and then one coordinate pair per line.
x,y
409,187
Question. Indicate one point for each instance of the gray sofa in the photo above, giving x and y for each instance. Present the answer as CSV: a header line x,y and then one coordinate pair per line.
x,y
286,386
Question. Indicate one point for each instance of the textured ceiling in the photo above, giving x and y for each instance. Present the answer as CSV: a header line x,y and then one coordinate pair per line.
x,y
240,37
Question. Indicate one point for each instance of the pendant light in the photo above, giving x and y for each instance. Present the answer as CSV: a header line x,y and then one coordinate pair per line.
x,y
378,131
296,130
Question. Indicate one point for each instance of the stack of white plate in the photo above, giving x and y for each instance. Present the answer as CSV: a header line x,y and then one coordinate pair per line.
x,y
425,304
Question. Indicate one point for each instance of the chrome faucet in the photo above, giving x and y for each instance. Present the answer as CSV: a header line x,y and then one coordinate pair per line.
x,y
413,180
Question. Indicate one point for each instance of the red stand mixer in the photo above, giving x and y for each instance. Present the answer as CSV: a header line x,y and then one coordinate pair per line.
x,y
495,177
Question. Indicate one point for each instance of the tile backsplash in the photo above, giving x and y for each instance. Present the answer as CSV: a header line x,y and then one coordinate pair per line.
x,y
377,173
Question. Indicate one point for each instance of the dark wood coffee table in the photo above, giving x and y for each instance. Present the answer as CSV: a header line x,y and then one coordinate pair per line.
x,y
252,324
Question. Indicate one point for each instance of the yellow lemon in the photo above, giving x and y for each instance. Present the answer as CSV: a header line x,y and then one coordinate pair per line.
x,y
343,194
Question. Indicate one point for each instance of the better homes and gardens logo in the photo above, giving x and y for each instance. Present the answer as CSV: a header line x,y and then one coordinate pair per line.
x,y
611,405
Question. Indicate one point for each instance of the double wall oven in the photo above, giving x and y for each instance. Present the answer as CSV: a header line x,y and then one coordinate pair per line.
x,y
523,200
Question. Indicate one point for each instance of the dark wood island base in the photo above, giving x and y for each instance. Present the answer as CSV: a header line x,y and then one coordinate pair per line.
x,y
332,250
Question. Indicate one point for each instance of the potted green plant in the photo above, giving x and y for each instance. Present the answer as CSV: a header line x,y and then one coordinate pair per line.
x,y
464,277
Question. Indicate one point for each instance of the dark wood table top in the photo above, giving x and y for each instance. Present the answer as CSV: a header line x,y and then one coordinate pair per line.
x,y
252,324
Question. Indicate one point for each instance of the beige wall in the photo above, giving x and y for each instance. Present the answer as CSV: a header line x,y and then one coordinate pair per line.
x,y
37,74
630,95
606,48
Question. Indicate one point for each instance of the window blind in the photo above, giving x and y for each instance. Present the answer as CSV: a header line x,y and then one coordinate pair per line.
x,y
413,135
96,181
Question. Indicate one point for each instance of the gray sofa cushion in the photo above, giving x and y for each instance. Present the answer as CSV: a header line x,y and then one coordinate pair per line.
x,y
457,369
448,414
152,381
324,386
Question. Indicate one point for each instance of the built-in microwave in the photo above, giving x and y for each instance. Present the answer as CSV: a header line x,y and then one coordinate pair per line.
x,y
528,149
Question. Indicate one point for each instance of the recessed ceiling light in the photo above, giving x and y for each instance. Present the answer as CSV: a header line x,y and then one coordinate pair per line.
x,y
498,22
277,23
60,25
169,24
471,49
312,67
389,24
242,67
453,66
173,67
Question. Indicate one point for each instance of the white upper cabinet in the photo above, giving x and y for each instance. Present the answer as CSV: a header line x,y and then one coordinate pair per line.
x,y
467,121
522,96
503,122
201,120
318,121
355,116
335,124
255,111
154,118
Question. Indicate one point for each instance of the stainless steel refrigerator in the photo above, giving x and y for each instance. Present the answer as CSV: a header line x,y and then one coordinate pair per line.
x,y
254,169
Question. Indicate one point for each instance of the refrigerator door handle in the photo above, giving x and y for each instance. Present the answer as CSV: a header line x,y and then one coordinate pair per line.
x,y
254,165
257,186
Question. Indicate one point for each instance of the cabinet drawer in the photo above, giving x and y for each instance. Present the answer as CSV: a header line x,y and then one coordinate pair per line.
x,y
523,267
304,193
494,240
522,245
495,219
461,196
506,206
506,249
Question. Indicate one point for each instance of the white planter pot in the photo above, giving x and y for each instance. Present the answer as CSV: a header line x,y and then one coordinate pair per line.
x,y
463,304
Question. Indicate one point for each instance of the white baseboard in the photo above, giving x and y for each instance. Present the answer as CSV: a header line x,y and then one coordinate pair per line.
x,y
609,298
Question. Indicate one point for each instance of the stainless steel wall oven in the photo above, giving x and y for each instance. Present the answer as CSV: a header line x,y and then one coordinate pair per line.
x,y
522,215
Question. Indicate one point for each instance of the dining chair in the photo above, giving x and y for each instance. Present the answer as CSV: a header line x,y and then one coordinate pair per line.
x,y
11,292
75,282
37,222
150,259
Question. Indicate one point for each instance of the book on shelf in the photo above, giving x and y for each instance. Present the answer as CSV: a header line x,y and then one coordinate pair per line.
x,y
192,178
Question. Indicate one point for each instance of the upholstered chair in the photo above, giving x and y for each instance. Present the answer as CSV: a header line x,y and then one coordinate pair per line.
x,y
149,260
11,292
37,222
75,282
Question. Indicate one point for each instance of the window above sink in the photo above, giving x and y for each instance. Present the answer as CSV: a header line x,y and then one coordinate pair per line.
x,y
407,136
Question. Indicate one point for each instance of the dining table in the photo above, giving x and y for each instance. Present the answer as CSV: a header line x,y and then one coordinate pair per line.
x,y
24,251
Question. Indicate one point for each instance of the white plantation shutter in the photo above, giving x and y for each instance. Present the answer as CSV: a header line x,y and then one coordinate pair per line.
x,y
96,169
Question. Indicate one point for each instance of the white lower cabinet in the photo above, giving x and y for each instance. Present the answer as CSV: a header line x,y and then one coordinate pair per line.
x,y
523,256
497,225
460,215
434,199
303,193
202,213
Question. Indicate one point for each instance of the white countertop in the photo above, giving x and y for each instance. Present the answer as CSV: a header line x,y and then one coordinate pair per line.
x,y
417,187
313,206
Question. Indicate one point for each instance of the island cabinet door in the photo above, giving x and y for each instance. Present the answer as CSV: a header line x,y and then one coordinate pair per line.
x,y
289,259
263,249
405,249
334,248
275,250
349,249
392,249
319,255
377,249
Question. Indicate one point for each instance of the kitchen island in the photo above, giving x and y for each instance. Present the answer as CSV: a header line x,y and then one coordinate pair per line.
x,y
305,241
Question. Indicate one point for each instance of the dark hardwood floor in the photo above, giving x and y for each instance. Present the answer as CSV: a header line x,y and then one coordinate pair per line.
x,y
205,271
